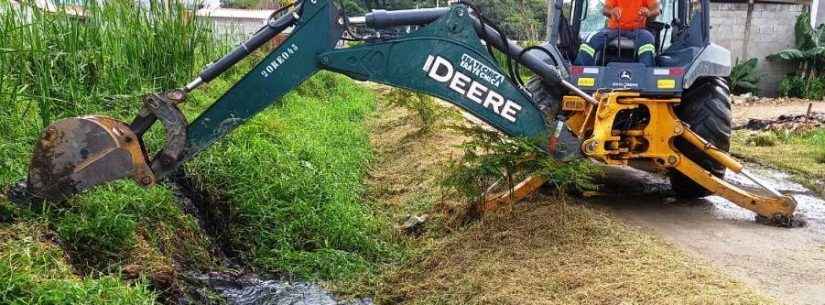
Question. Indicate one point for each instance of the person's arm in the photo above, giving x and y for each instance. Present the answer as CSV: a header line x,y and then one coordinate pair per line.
x,y
652,10
610,10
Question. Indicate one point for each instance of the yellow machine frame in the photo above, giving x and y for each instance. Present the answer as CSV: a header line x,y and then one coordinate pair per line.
x,y
593,123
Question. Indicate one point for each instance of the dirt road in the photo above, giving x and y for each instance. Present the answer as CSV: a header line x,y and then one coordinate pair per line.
x,y
742,113
788,264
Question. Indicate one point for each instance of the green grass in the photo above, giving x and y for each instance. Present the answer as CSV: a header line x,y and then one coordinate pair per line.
x,y
293,175
32,271
57,65
802,154
69,65
294,178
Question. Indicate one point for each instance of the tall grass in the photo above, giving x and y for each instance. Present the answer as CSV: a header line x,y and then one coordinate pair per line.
x,y
68,64
59,64
54,65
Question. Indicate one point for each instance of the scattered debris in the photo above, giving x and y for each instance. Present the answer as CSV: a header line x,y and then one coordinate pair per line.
x,y
414,225
749,99
19,192
793,123
132,271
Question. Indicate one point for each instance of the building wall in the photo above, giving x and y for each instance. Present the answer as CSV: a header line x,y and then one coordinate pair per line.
x,y
771,30
235,29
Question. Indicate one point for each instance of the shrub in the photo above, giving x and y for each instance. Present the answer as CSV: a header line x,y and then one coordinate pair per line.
x,y
808,55
763,139
490,157
815,89
792,86
797,86
744,77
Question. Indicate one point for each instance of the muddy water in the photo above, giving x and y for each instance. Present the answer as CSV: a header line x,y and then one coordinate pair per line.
x,y
810,208
212,213
788,264
252,290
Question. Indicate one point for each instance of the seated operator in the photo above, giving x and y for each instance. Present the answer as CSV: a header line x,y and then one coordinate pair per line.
x,y
628,19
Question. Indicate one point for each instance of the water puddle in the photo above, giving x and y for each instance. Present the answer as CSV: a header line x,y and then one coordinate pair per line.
x,y
809,207
653,188
252,290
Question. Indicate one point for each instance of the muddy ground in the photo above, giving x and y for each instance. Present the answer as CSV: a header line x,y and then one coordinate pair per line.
x,y
787,264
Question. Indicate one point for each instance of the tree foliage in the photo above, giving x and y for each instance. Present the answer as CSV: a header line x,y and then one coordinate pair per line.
x,y
744,77
809,57
519,19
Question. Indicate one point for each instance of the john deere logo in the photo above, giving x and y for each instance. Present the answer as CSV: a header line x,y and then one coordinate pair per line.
x,y
625,75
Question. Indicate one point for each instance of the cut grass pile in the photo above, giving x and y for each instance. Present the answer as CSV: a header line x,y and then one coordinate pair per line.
x,y
293,177
544,251
801,154
549,252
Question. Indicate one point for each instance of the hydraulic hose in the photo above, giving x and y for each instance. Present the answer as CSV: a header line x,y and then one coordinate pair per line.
x,y
265,34
536,60
381,19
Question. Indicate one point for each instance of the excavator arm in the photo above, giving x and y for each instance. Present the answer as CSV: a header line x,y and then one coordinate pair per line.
x,y
448,57
445,58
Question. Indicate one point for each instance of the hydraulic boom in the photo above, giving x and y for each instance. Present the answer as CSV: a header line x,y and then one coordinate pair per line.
x,y
448,57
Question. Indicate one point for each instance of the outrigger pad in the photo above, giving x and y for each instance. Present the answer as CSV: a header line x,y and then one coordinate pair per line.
x,y
77,153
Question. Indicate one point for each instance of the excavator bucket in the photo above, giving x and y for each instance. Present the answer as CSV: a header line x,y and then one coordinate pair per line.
x,y
76,153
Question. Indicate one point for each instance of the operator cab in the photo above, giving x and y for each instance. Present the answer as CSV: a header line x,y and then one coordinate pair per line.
x,y
680,32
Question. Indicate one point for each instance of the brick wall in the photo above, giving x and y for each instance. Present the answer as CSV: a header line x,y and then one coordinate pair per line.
x,y
771,30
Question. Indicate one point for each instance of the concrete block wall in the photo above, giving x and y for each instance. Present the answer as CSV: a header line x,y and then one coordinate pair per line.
x,y
771,30
235,24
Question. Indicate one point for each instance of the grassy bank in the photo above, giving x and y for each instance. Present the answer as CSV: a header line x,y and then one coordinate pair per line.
x,y
293,179
289,182
57,65
33,271
802,154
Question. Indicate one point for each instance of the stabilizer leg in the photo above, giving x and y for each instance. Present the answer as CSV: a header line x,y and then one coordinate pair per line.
x,y
777,208
525,188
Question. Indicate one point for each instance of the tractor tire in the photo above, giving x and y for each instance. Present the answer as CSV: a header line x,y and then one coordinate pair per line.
x,y
548,100
706,108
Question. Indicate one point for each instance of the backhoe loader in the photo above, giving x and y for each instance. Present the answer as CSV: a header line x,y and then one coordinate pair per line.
x,y
617,113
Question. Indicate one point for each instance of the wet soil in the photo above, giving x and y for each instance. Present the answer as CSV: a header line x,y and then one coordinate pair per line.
x,y
788,264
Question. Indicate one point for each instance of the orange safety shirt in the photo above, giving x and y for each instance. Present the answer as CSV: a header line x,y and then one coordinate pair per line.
x,y
630,19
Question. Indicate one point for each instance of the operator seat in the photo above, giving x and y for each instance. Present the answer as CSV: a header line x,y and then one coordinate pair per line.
x,y
619,45
623,44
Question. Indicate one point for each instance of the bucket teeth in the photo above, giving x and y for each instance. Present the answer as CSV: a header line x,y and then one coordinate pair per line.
x,y
77,153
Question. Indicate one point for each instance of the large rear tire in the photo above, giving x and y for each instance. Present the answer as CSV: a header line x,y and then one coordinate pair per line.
x,y
706,108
